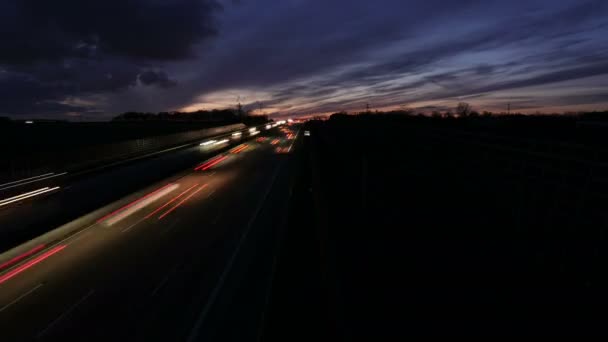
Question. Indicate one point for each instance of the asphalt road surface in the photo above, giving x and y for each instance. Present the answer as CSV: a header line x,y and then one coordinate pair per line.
x,y
153,265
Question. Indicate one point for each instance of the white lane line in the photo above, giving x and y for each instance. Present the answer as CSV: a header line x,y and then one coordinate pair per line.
x,y
22,197
133,225
193,336
218,216
174,223
33,181
26,179
163,281
170,226
275,259
294,140
64,314
79,236
210,193
20,297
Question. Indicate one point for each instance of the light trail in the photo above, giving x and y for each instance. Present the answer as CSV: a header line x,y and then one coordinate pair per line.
x,y
171,201
27,195
181,202
133,203
22,182
20,257
10,274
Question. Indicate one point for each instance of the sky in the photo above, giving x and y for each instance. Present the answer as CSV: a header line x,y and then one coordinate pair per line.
x,y
91,60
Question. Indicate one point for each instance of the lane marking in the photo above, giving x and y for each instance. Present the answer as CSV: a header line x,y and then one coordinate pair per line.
x,y
33,181
182,201
64,314
210,193
170,226
280,237
294,140
164,281
193,336
15,271
170,201
133,225
27,195
21,297
217,218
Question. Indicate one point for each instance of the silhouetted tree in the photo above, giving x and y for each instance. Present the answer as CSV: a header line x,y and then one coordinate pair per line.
x,y
463,109
338,116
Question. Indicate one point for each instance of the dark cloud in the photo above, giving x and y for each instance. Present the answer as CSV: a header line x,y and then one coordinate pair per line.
x,y
156,77
56,50
298,56
22,95
40,30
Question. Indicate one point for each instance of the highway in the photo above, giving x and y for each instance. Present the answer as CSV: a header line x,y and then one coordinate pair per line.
x,y
152,265
60,197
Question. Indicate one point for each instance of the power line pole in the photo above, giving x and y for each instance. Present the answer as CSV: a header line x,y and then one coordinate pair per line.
x,y
239,107
509,109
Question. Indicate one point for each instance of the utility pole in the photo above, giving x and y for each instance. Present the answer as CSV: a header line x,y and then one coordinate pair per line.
x,y
509,109
239,107
367,107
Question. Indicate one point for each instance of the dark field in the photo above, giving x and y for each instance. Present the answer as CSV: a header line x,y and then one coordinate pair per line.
x,y
16,138
33,149
448,228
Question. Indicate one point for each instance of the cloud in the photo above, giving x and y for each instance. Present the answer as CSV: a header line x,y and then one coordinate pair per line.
x,y
40,30
303,57
156,77
55,50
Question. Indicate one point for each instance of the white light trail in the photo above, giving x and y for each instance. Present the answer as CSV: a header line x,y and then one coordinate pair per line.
x,y
26,195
